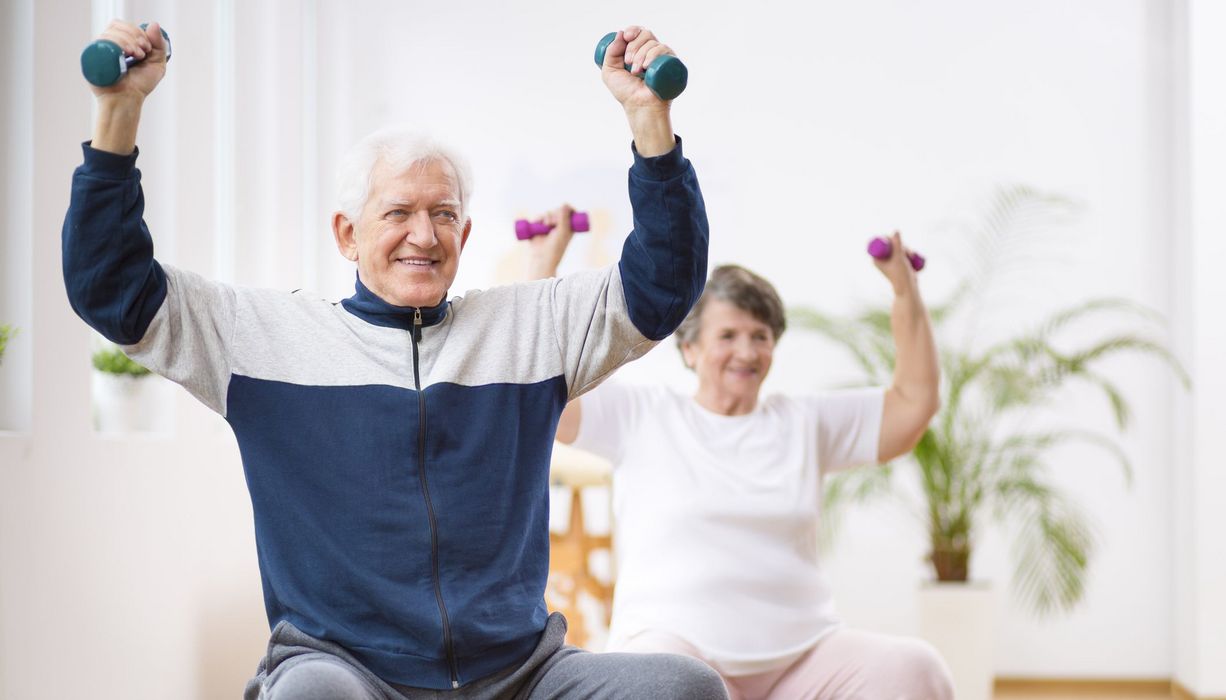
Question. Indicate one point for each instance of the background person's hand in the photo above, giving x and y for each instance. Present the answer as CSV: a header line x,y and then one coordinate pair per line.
x,y
546,251
897,268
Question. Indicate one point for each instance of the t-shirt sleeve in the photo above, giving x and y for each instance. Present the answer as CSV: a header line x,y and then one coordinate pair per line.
x,y
609,415
848,427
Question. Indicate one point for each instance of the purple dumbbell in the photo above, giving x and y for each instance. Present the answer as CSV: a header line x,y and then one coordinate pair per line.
x,y
525,229
882,249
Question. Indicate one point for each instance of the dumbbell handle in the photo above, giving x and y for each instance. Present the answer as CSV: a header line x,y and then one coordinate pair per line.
x,y
103,63
882,249
525,229
666,76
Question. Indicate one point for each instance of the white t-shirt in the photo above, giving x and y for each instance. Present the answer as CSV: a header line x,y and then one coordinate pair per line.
x,y
716,517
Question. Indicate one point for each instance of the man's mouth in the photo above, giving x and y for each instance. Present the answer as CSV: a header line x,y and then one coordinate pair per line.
x,y
415,262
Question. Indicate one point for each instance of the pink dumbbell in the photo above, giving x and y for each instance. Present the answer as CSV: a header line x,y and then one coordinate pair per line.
x,y
882,249
525,229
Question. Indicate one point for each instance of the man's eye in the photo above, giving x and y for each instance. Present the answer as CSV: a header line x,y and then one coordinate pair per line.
x,y
398,213
447,215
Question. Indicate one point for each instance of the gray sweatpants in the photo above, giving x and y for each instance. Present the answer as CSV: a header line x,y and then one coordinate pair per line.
x,y
301,667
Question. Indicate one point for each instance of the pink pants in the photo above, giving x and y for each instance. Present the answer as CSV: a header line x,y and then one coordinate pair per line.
x,y
845,665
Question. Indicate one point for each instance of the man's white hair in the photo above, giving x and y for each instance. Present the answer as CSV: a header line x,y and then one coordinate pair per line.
x,y
399,147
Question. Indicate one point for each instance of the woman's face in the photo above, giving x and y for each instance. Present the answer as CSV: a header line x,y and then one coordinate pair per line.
x,y
733,351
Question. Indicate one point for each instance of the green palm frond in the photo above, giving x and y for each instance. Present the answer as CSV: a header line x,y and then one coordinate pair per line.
x,y
1027,370
941,313
1064,317
1053,546
1004,457
877,321
1120,409
6,334
1129,343
846,334
852,487
1016,213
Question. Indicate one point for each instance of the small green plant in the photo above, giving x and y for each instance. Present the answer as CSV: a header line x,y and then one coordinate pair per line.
x,y
113,361
6,334
981,458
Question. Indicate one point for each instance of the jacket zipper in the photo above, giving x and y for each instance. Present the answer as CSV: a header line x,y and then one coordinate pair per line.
x,y
425,490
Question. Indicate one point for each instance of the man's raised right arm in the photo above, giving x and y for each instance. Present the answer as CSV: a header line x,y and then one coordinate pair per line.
x,y
112,280
176,323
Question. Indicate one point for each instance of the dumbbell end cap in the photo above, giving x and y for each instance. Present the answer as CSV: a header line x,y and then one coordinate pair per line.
x,y
880,248
579,222
667,76
602,45
522,230
102,63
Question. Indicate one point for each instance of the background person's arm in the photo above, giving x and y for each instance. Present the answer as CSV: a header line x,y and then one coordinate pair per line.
x,y
545,253
914,395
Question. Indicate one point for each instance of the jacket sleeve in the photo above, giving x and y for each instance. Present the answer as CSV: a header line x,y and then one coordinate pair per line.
x,y
113,282
664,260
605,318
175,323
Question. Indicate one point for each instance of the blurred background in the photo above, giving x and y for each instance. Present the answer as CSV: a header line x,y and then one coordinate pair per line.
x,y
127,560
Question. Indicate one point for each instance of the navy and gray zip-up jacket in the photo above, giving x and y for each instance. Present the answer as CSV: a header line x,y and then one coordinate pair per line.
x,y
397,458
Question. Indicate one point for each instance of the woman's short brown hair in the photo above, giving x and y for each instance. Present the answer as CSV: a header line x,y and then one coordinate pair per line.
x,y
744,290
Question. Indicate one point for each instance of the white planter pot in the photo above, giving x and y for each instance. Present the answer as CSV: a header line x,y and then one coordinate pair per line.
x,y
957,618
122,403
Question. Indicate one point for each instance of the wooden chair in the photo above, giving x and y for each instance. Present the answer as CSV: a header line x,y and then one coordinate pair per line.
x,y
570,568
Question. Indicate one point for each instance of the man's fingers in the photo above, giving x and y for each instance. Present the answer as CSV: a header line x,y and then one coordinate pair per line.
x,y
653,53
640,56
615,53
129,43
130,39
154,34
636,49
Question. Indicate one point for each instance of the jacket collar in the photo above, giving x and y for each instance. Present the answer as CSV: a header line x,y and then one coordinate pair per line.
x,y
371,308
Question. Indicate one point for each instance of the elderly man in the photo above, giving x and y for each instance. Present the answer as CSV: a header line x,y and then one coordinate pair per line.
x,y
397,445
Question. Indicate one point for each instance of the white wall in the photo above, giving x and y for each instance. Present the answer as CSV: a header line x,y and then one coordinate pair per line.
x,y
812,128
1200,482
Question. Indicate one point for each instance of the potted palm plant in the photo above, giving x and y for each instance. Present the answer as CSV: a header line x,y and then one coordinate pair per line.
x,y
121,403
981,459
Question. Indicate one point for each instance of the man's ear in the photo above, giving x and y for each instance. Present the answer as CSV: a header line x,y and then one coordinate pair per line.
x,y
468,228
346,236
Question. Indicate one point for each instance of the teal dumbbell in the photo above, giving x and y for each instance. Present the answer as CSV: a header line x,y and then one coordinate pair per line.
x,y
666,76
103,62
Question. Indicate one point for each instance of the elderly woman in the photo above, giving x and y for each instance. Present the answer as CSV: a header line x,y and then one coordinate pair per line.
x,y
716,495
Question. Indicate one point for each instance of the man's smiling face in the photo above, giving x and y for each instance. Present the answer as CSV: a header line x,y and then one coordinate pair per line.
x,y
408,239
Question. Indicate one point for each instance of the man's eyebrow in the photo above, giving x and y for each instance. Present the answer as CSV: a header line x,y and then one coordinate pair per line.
x,y
410,203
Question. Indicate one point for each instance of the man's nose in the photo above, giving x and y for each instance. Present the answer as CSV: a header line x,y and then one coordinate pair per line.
x,y
420,231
